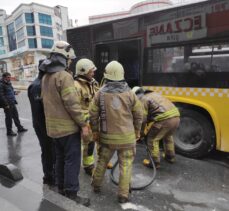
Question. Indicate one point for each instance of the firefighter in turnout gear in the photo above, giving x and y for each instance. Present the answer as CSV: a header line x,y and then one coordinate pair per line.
x,y
115,116
161,119
64,119
86,87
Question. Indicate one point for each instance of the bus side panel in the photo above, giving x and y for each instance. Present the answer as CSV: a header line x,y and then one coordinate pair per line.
x,y
212,96
218,23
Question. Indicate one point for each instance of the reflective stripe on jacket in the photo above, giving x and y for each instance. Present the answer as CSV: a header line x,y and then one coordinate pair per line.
x,y
119,112
86,91
158,108
63,113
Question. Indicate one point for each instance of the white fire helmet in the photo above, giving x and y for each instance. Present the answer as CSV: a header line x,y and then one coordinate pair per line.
x,y
114,71
83,66
63,48
138,90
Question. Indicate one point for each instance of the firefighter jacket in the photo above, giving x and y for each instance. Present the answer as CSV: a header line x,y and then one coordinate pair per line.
x,y
63,113
86,90
119,112
157,108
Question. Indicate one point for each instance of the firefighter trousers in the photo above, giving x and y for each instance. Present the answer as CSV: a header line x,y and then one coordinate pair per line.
x,y
162,130
125,160
88,154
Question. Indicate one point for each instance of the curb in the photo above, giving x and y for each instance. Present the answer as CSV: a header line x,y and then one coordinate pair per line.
x,y
20,87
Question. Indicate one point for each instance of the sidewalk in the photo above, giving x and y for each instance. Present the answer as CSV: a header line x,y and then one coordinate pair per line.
x,y
20,85
30,194
23,150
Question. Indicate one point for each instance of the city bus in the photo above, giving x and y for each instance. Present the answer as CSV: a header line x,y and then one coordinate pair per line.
x,y
180,52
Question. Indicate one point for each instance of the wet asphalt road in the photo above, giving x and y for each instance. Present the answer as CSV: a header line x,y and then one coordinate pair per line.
x,y
190,185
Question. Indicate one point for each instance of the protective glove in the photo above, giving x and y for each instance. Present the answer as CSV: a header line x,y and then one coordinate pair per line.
x,y
96,137
137,135
86,134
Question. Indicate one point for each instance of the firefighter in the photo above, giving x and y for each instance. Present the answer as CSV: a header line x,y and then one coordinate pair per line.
x,y
64,119
86,86
119,113
161,119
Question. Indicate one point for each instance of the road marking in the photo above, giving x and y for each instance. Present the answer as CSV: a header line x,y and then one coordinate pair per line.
x,y
132,206
26,120
6,206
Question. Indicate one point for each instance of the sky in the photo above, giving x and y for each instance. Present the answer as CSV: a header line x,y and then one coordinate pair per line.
x,y
79,9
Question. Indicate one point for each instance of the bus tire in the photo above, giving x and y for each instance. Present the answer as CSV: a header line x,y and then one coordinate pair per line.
x,y
195,136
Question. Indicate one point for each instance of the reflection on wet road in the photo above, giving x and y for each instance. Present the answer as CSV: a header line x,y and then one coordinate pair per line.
x,y
189,185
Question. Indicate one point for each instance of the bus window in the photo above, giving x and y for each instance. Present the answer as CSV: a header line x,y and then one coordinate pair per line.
x,y
200,59
164,60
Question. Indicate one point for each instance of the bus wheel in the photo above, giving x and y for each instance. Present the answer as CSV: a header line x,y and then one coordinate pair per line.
x,y
195,136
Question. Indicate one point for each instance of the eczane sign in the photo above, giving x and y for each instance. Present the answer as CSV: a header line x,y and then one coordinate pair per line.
x,y
181,29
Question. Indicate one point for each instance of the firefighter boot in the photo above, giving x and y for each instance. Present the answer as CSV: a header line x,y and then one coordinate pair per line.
x,y
96,189
170,158
122,199
89,169
148,164
78,199
109,165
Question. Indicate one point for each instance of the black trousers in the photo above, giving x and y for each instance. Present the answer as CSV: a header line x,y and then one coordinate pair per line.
x,y
11,114
68,160
47,152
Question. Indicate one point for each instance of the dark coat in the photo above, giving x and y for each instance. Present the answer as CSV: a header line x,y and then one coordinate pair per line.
x,y
34,94
7,94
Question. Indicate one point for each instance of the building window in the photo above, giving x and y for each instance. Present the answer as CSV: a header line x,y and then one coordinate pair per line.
x,y
1,31
11,37
46,43
59,37
1,42
19,22
2,52
31,31
21,44
58,26
45,19
20,34
29,18
46,31
32,42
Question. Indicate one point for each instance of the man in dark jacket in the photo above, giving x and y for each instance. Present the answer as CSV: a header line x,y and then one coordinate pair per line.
x,y
8,103
38,116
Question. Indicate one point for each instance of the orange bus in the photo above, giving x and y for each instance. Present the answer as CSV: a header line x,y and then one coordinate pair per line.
x,y
181,52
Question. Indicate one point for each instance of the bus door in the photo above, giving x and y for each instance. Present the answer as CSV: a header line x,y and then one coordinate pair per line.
x,y
127,52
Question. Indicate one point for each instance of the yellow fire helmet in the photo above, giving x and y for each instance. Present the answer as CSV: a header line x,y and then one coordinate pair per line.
x,y
114,71
83,66
63,48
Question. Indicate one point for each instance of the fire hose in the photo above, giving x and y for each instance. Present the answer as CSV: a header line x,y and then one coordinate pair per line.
x,y
144,143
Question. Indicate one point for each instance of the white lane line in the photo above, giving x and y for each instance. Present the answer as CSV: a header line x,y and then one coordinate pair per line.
x,y
127,206
25,120
6,206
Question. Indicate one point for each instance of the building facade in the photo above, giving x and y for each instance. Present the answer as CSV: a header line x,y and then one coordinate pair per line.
x,y
27,35
141,7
